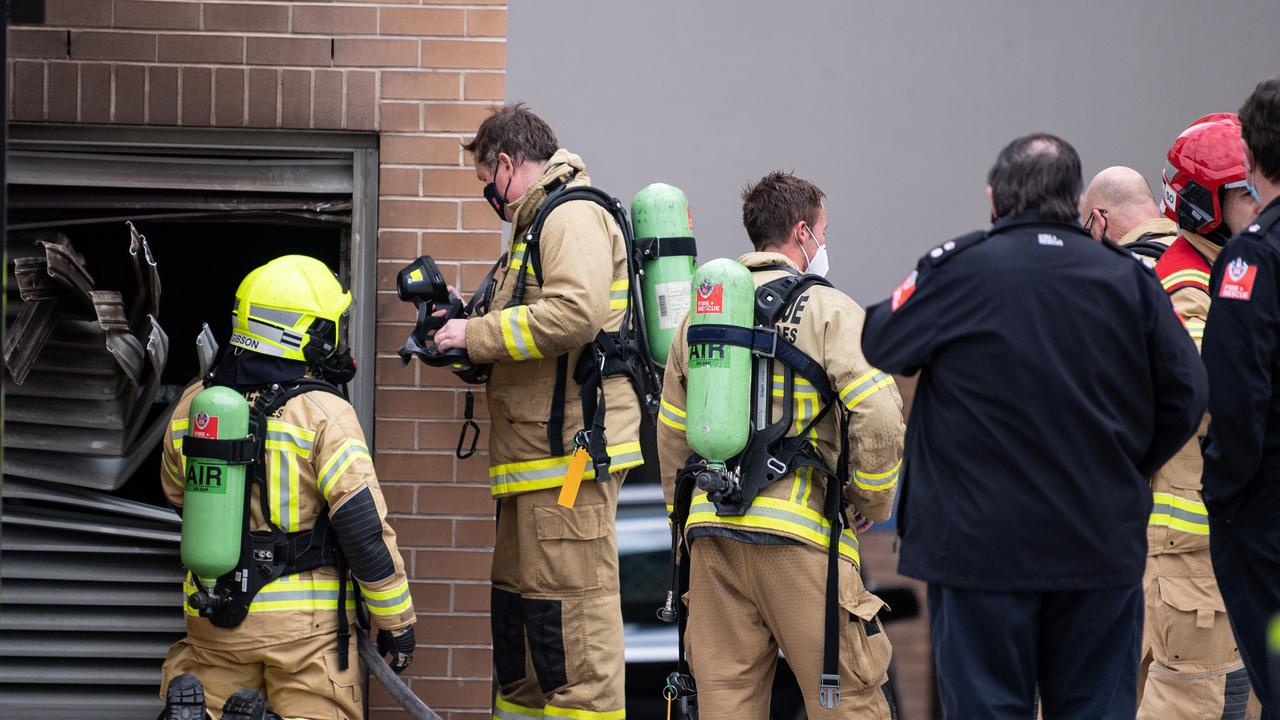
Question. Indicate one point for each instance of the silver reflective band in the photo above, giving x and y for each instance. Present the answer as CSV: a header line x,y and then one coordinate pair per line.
x,y
1179,513
284,317
286,436
386,602
517,337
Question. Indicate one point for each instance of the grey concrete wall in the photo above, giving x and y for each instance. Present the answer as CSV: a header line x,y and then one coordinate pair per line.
x,y
896,109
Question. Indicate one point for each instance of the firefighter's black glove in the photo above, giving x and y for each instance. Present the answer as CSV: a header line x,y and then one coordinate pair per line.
x,y
399,644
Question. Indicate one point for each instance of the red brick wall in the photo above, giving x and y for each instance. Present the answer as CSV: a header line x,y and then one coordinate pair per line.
x,y
422,75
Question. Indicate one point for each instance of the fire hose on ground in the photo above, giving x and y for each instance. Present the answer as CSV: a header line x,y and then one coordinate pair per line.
x,y
392,682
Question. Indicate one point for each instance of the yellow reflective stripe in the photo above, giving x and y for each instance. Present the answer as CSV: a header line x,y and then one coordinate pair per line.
x,y
517,258
389,602
876,482
504,709
551,712
767,513
278,486
283,470
863,387
177,431
1198,276
516,333
286,594
171,471
1195,328
618,292
801,388
801,485
348,452
1179,513
671,416
289,438
531,475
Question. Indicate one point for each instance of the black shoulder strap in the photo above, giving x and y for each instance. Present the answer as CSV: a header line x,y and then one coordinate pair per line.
x,y
776,295
275,397
555,199
765,342
1148,246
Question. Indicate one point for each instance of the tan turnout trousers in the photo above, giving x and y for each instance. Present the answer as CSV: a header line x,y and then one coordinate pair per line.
x,y
747,602
300,677
557,614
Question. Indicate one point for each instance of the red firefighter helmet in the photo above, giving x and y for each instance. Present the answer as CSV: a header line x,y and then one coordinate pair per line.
x,y
1207,157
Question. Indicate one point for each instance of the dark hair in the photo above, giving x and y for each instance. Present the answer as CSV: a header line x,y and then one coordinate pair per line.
x,y
1038,173
771,207
1260,126
516,131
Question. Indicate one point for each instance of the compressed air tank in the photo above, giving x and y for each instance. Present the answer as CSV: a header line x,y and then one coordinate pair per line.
x,y
663,228
718,413
213,495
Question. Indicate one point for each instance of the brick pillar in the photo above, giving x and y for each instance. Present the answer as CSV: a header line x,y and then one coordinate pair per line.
x,y
422,75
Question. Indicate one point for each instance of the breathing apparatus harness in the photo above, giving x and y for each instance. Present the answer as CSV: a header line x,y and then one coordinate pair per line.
x,y
611,354
769,456
1148,246
268,555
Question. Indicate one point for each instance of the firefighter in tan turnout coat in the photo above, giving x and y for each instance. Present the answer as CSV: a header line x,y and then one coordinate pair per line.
x,y
556,611
757,581
1191,666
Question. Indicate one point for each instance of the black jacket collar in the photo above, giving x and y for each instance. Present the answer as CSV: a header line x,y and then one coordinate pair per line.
x,y
1033,219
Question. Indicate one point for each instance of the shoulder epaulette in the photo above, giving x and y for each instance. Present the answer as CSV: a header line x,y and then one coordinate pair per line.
x,y
1183,267
1264,222
951,248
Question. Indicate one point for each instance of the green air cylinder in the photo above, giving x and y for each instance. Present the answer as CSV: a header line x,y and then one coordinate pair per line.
x,y
718,413
660,213
213,497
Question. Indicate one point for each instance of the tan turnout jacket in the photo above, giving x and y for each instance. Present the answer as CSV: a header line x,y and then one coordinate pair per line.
x,y
827,325
584,289
316,459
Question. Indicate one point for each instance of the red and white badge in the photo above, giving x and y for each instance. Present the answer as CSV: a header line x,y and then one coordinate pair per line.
x,y
903,292
710,298
1237,283
206,426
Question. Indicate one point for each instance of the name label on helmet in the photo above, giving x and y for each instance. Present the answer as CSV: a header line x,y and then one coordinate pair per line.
x,y
244,341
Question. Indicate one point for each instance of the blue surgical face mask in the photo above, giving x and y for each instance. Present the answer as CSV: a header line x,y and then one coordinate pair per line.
x,y
1248,185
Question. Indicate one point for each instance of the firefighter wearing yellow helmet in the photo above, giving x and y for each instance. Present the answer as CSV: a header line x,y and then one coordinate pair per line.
x,y
274,633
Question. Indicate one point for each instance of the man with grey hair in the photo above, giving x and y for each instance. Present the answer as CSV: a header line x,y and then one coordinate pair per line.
x,y
1041,412
1118,205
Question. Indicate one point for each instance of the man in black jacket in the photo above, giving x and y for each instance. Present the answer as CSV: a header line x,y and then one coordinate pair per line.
x,y
1055,379
1242,452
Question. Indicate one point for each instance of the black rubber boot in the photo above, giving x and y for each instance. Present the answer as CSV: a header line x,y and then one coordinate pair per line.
x,y
184,699
247,704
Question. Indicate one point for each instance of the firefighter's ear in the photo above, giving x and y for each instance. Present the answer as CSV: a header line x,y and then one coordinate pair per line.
x,y
991,199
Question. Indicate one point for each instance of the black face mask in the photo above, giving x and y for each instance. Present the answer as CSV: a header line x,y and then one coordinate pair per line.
x,y
498,201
